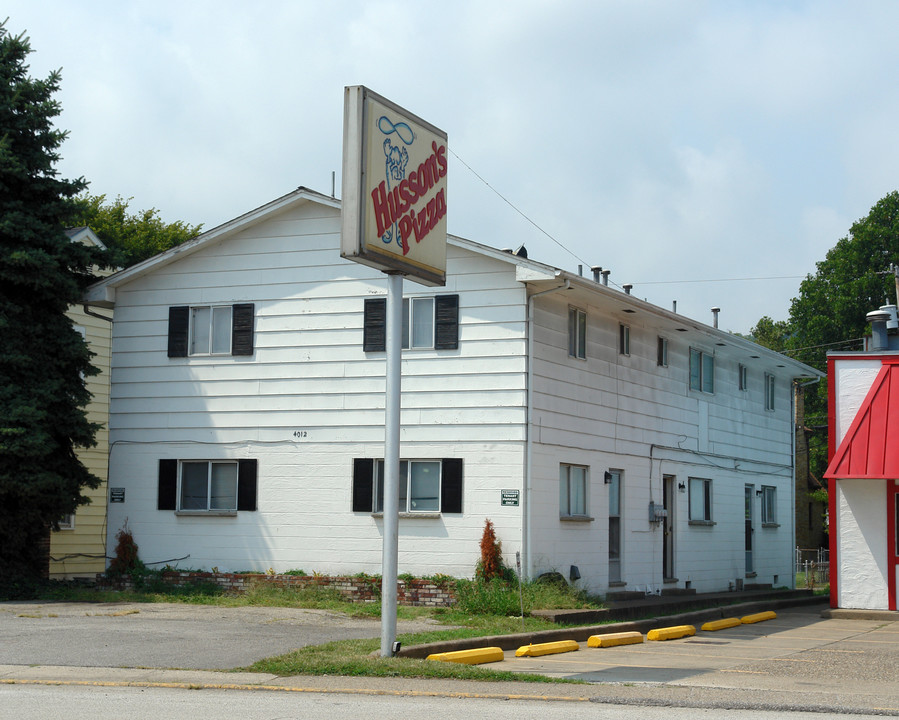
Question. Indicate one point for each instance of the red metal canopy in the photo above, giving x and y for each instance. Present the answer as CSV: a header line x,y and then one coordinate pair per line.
x,y
870,448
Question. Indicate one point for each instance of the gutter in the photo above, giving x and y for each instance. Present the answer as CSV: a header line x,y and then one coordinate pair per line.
x,y
88,311
528,480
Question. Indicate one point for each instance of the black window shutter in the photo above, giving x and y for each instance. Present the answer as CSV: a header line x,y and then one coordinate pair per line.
x,y
363,469
179,324
446,322
451,486
167,495
374,326
242,329
246,484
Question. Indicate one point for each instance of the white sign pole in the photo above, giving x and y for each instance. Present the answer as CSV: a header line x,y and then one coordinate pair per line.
x,y
391,463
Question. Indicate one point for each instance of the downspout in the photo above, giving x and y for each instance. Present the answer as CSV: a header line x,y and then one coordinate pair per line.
x,y
528,560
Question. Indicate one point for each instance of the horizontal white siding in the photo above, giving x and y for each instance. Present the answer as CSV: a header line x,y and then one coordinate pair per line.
x,y
625,412
309,400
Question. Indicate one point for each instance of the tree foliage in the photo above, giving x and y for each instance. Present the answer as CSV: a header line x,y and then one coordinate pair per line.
x,y
43,359
132,237
829,311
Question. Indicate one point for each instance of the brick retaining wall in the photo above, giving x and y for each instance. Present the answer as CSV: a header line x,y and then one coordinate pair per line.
x,y
414,592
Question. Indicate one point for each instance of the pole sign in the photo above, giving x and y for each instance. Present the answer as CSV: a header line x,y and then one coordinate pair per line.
x,y
394,189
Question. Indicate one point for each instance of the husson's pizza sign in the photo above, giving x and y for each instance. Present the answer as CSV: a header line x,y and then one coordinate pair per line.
x,y
394,189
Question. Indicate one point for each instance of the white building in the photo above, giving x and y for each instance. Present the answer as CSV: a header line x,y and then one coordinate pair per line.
x,y
597,431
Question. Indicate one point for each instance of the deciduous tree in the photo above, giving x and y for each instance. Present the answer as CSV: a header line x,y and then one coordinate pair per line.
x,y
131,236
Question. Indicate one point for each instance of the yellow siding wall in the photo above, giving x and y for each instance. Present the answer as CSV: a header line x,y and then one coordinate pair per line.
x,y
81,551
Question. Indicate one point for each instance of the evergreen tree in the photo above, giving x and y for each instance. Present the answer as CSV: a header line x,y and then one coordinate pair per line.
x,y
43,359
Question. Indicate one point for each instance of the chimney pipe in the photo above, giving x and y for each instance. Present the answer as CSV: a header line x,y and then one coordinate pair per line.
x,y
580,270
605,277
627,288
715,311
597,269
878,320
674,306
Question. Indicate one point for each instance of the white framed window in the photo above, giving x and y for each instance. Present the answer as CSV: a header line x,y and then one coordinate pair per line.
x,y
577,333
769,391
702,371
700,500
572,491
210,330
419,486
67,522
624,340
769,505
743,377
662,352
418,322
207,485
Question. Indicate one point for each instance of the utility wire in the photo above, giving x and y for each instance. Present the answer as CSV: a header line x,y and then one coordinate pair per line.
x,y
584,262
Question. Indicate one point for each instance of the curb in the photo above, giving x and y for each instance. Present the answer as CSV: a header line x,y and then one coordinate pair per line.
x,y
582,634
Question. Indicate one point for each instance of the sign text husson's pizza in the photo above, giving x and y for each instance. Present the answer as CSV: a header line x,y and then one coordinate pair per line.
x,y
394,189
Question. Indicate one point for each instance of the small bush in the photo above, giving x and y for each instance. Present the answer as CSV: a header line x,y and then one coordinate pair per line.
x,y
491,562
126,560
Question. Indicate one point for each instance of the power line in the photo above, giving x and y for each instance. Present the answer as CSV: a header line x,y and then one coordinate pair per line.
x,y
584,262
516,209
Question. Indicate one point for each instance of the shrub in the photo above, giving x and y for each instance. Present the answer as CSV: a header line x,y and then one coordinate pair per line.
x,y
126,560
491,563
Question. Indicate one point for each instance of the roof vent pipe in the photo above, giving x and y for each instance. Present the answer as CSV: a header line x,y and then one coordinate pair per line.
x,y
715,311
627,288
878,320
674,306
893,322
580,270
605,277
597,269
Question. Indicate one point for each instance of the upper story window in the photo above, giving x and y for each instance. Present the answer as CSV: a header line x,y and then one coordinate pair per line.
x,y
425,486
702,371
743,375
769,391
428,322
577,333
211,330
624,339
662,352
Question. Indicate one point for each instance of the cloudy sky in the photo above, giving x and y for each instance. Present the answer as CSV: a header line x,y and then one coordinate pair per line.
x,y
709,152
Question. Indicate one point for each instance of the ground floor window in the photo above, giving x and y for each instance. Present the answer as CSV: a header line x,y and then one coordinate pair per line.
x,y
425,486
572,490
207,486
700,500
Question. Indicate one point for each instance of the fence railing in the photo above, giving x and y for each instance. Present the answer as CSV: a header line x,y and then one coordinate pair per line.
x,y
812,567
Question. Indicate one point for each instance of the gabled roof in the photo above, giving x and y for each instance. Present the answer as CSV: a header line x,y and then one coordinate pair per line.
x,y
866,451
536,274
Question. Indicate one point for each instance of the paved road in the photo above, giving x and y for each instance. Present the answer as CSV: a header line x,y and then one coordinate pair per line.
x,y
95,703
798,662
168,635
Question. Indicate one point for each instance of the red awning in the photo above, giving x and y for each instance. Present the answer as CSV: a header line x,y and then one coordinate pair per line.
x,y
870,448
